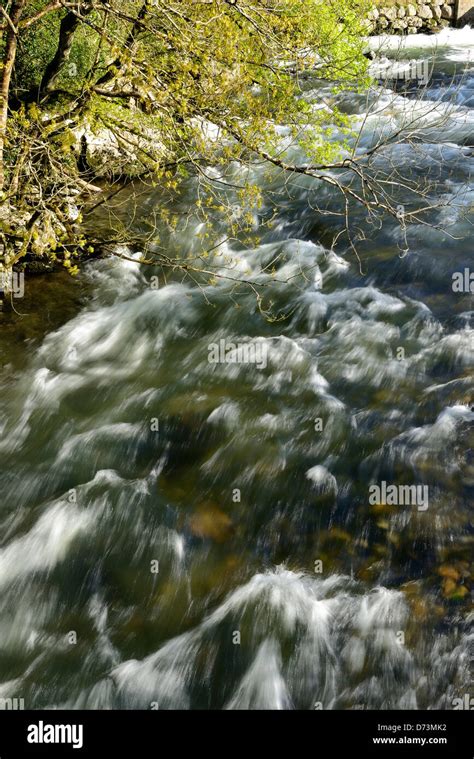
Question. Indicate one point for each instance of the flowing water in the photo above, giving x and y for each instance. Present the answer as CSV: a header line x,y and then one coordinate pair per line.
x,y
178,533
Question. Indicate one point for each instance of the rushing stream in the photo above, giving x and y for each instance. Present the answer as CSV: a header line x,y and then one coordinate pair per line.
x,y
178,533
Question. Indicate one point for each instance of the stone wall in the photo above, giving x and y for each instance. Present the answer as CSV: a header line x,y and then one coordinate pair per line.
x,y
402,17
464,12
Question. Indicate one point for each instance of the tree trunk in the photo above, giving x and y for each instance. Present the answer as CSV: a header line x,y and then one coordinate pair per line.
x,y
68,26
6,75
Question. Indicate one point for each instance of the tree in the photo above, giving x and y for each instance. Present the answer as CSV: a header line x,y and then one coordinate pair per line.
x,y
176,87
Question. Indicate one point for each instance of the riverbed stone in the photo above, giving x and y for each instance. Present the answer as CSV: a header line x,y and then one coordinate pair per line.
x,y
447,11
209,521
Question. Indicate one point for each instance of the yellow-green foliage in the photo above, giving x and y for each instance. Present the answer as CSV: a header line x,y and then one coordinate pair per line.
x,y
170,66
236,64
240,66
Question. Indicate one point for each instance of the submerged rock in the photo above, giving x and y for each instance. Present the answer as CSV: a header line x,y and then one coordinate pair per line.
x,y
209,521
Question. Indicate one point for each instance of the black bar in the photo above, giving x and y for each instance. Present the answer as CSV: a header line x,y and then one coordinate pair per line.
x,y
227,734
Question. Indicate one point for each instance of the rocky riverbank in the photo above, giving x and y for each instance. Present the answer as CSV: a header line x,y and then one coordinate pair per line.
x,y
412,17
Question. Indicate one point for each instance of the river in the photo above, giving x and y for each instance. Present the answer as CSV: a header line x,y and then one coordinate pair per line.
x,y
182,533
